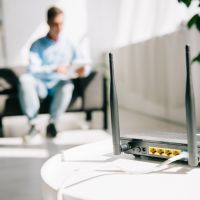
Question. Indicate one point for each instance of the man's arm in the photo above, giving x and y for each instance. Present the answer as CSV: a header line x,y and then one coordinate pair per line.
x,y
35,64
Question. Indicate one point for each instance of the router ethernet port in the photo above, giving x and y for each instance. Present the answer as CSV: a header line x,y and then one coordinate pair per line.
x,y
152,150
176,152
160,151
168,152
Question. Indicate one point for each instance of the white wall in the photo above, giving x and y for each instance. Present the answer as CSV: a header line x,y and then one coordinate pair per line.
x,y
1,36
1,48
23,20
140,20
102,26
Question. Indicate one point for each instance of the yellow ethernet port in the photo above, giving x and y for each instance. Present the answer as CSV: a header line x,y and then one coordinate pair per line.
x,y
160,151
176,152
168,152
152,150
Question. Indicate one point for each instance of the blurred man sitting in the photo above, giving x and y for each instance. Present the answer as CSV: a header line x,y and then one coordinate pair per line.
x,y
50,62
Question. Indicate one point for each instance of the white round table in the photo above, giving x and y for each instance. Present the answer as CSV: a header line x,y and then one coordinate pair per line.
x,y
91,172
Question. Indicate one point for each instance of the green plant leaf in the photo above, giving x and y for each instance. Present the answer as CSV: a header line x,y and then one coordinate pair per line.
x,y
198,23
186,2
196,59
193,21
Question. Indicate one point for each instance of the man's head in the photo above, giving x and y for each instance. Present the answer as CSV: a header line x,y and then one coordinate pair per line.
x,y
55,20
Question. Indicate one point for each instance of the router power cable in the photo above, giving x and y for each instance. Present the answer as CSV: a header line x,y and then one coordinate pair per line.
x,y
159,167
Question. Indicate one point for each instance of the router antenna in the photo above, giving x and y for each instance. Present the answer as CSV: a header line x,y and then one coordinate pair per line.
x,y
114,110
190,113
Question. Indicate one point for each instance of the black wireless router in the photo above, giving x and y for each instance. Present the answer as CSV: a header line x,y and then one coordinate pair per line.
x,y
163,145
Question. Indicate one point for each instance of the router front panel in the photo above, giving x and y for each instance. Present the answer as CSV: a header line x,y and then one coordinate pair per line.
x,y
158,149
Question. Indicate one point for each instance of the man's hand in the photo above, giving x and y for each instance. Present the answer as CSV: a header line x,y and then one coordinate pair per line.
x,y
80,71
62,69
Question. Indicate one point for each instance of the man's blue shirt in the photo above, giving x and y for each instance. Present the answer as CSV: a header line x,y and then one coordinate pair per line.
x,y
46,55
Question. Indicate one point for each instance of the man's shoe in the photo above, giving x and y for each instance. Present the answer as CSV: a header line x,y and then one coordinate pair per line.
x,y
31,135
51,130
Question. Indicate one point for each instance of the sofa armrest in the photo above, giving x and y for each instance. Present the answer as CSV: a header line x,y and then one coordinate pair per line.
x,y
9,81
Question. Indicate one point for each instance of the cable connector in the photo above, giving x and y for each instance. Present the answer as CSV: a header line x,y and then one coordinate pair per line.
x,y
125,147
